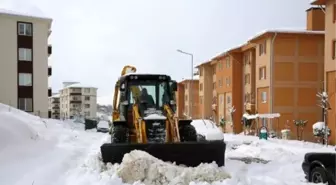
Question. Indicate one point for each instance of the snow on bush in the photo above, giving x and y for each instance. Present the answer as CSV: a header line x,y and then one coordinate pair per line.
x,y
208,129
140,166
319,128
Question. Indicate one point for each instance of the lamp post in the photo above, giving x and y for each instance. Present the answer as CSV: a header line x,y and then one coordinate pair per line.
x,y
191,82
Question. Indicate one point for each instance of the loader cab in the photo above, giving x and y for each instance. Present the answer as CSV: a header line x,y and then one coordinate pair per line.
x,y
148,91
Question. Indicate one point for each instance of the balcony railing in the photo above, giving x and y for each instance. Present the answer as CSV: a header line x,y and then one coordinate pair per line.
x,y
49,71
49,50
49,92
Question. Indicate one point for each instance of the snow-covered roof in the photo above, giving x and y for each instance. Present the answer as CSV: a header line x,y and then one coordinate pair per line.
x,y
55,96
80,85
287,30
32,14
195,77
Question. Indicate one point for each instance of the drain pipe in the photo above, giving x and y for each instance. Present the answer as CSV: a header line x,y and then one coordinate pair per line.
x,y
271,74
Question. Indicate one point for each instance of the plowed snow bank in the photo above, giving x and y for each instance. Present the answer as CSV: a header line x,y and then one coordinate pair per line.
x,y
140,166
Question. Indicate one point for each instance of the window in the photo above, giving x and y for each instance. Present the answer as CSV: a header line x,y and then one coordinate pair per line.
x,y
247,97
87,105
228,100
201,87
264,97
87,90
333,53
201,99
228,82
264,121
247,58
334,14
221,99
25,79
87,98
25,54
87,113
25,29
262,73
262,48
247,79
214,85
227,62
220,65
26,104
214,70
220,83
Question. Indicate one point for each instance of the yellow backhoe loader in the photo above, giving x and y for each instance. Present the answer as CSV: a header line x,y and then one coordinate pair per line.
x,y
144,119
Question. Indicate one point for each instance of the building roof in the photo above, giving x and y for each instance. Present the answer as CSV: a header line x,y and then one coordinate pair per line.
x,y
35,13
80,85
318,2
55,96
281,30
204,63
195,78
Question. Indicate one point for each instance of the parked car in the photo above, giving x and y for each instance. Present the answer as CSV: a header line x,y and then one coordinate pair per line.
x,y
320,167
103,126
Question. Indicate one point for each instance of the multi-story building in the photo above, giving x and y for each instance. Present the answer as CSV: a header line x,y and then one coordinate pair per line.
x,y
276,71
329,7
54,106
24,61
78,100
207,93
229,89
186,89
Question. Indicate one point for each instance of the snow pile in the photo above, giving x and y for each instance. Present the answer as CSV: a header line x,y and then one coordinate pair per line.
x,y
140,166
155,117
208,129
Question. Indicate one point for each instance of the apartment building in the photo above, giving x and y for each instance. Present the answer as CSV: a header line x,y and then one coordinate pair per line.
x,y
186,89
77,99
330,60
207,93
229,88
24,61
54,106
276,71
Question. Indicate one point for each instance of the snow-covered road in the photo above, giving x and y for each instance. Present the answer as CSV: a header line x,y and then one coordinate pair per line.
x,y
51,152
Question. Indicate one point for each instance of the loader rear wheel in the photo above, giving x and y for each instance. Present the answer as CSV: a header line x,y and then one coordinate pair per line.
x,y
119,134
187,133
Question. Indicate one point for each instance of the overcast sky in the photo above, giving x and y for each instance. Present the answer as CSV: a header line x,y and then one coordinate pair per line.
x,y
93,40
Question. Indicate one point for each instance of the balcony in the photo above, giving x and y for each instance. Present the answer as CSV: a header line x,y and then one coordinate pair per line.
x,y
75,93
49,71
55,107
49,50
55,101
49,92
75,101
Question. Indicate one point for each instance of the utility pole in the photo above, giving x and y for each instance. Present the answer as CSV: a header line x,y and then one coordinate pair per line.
x,y
191,82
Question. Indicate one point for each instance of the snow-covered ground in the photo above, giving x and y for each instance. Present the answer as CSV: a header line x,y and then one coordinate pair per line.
x,y
50,152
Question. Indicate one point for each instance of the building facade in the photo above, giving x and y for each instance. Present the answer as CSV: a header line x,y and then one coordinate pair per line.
x,y
54,106
187,107
78,100
276,71
330,60
24,62
207,80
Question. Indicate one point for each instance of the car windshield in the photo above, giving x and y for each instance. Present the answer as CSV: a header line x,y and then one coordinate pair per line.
x,y
152,93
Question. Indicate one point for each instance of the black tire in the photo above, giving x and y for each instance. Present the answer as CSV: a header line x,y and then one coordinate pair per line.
x,y
318,175
187,133
119,134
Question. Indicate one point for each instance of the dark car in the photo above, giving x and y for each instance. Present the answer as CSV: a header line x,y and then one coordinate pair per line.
x,y
320,167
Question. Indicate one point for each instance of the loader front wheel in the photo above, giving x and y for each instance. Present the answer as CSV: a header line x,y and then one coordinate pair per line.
x,y
187,133
119,134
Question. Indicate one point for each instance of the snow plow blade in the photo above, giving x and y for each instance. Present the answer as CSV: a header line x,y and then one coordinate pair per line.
x,y
190,154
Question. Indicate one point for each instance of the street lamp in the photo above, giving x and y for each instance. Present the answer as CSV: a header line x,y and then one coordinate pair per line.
x,y
192,78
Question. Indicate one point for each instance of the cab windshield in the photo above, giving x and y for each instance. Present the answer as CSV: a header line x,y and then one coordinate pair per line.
x,y
153,94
